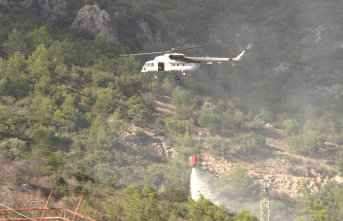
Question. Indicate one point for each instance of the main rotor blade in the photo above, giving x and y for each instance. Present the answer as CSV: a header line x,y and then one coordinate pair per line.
x,y
201,46
159,52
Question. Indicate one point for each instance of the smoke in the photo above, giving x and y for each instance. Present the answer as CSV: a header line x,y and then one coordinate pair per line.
x,y
230,195
250,46
235,197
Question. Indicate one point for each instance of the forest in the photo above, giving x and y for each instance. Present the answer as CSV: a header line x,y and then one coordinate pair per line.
x,y
66,96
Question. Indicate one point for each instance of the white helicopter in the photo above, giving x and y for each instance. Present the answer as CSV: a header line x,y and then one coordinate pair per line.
x,y
179,63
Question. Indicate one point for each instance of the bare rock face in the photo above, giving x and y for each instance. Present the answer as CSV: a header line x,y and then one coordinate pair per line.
x,y
151,38
97,21
49,10
146,29
5,2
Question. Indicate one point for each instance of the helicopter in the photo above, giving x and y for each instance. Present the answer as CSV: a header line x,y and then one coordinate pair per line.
x,y
178,63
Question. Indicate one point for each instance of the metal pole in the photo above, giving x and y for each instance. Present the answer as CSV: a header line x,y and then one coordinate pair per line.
x,y
264,204
47,202
78,207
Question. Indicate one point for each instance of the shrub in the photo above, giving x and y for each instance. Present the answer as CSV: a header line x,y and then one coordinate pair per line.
x,y
57,180
210,121
247,142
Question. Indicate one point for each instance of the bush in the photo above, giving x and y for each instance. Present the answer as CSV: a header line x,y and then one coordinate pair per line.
x,y
174,195
290,126
238,174
81,177
175,126
158,132
57,180
210,121
307,143
13,148
115,121
217,145
247,142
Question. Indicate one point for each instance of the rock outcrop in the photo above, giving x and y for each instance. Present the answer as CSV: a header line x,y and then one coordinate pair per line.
x,y
49,10
96,21
278,179
146,29
5,2
152,37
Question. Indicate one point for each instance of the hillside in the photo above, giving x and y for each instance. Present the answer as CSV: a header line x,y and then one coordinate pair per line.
x,y
77,116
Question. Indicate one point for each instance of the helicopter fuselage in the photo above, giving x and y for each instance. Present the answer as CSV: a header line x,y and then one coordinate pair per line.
x,y
175,62
165,64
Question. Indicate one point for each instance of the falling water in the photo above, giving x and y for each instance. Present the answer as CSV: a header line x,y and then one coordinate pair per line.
x,y
194,185
200,184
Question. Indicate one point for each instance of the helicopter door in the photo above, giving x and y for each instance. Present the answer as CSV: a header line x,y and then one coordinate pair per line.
x,y
160,66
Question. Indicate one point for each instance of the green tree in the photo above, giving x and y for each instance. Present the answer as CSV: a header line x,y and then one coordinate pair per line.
x,y
233,119
87,210
47,105
116,121
136,109
175,126
265,116
318,213
303,144
182,100
100,137
14,148
203,209
16,41
16,83
305,203
37,37
3,85
106,101
37,67
68,111
62,52
339,162
313,141
248,142
210,120
208,107
238,174
290,126
245,215
140,201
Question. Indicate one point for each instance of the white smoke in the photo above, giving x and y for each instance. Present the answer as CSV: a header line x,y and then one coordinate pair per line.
x,y
234,197
250,46
220,194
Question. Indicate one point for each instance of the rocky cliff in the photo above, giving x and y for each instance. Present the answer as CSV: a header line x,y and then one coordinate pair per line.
x,y
97,21
145,29
49,10
115,25
152,36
